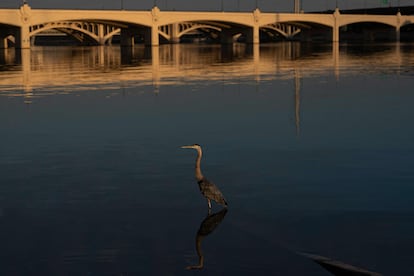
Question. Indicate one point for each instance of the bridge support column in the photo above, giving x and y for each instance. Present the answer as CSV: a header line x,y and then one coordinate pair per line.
x,y
252,35
3,42
335,34
155,12
154,35
23,38
256,30
398,28
127,38
226,37
22,34
174,33
101,34
335,28
151,36
256,35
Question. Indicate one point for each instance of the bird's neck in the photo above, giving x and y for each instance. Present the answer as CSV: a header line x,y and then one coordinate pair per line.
x,y
198,174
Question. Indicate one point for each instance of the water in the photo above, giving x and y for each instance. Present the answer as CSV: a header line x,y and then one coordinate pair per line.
x,y
312,145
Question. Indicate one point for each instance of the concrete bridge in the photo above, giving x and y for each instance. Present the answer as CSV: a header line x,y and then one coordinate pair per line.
x,y
19,26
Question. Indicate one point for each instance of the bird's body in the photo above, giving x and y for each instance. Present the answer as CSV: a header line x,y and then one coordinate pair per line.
x,y
211,192
207,188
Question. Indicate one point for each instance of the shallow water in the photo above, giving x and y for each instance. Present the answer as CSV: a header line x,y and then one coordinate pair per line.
x,y
312,145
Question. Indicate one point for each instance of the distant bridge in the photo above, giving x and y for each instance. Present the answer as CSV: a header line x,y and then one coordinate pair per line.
x,y
19,26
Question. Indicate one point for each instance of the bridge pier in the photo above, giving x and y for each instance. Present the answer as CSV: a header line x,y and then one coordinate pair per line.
x,y
175,33
256,34
226,36
398,28
3,42
22,34
256,26
151,36
335,29
101,34
335,34
127,38
23,38
253,35
397,34
154,35
155,13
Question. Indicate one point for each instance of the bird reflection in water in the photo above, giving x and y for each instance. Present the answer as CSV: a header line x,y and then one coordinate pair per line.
x,y
206,227
207,188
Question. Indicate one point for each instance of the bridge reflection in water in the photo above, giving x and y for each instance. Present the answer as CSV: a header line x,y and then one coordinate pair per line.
x,y
43,70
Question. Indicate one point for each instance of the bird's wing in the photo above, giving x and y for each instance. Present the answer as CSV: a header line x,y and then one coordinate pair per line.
x,y
211,191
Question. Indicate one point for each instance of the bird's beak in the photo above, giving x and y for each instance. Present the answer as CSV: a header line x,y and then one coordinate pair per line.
x,y
186,147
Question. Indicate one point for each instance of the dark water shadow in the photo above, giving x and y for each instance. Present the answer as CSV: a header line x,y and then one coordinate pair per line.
x,y
207,226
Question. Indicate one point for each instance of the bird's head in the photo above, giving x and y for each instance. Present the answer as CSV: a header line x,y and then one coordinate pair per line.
x,y
195,146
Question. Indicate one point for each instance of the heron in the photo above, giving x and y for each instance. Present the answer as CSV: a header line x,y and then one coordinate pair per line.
x,y
207,188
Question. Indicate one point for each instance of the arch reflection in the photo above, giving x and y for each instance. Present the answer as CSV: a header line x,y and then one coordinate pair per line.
x,y
207,226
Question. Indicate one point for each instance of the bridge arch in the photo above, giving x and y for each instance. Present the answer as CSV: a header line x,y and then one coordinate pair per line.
x,y
301,24
368,31
407,32
87,32
304,30
327,20
174,32
285,30
198,27
225,30
391,21
67,27
8,34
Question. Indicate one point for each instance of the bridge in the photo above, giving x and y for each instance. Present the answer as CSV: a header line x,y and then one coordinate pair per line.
x,y
18,27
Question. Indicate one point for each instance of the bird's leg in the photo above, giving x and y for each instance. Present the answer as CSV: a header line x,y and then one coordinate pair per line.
x,y
209,204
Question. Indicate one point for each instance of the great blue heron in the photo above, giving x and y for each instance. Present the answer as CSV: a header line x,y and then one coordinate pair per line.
x,y
207,188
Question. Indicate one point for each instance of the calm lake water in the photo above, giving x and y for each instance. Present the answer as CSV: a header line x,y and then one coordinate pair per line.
x,y
311,144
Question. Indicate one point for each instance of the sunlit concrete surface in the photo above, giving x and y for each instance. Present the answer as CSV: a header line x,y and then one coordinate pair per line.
x,y
98,26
